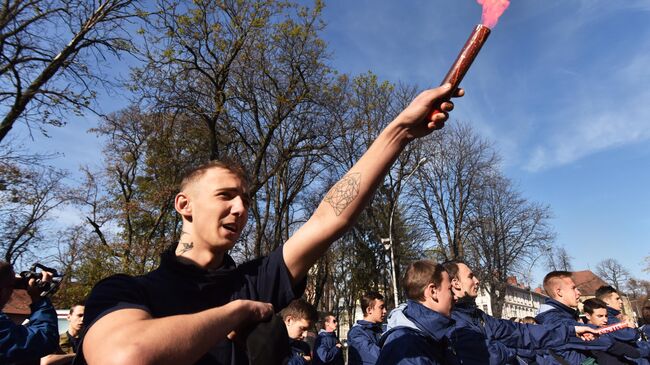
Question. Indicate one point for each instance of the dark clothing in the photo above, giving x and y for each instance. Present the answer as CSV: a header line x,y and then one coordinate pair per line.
x,y
299,349
67,343
477,337
416,336
325,350
363,341
575,350
31,342
176,288
625,334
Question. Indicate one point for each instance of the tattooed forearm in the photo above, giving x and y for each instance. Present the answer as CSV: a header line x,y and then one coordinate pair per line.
x,y
344,192
186,247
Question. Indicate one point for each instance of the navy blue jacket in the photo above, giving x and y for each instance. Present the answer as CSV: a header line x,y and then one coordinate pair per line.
x,y
325,350
552,313
33,341
363,341
416,336
299,349
477,336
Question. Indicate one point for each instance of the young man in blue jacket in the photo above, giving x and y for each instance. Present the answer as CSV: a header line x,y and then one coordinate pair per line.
x,y
298,317
417,331
479,338
363,338
327,347
38,338
560,308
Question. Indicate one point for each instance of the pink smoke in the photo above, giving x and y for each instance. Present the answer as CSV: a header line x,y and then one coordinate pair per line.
x,y
492,10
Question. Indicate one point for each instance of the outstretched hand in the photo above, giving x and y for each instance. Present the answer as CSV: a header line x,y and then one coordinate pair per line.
x,y
586,333
428,111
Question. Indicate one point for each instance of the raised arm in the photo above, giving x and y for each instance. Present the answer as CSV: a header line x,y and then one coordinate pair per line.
x,y
131,336
344,202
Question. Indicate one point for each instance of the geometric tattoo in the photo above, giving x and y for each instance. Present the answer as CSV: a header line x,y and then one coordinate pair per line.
x,y
344,192
186,247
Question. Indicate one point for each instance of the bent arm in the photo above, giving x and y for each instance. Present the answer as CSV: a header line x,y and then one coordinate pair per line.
x,y
31,342
348,197
132,336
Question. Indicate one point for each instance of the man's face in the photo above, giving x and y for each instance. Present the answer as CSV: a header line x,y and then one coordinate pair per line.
x,y
466,284
376,311
614,301
296,327
567,292
598,317
330,324
219,208
76,318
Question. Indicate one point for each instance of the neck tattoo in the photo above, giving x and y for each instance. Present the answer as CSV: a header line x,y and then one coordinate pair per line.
x,y
186,247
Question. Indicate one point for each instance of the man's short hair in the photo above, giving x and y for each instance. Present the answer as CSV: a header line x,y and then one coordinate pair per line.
x,y
551,277
591,304
451,266
325,317
6,273
418,275
605,291
368,300
198,171
529,320
78,304
300,309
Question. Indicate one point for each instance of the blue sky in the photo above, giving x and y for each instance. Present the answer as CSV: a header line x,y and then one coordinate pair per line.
x,y
561,87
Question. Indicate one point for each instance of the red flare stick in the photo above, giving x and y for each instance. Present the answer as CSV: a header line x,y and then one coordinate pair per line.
x,y
465,58
612,328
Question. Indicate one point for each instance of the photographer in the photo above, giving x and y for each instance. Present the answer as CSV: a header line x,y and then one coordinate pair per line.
x,y
39,337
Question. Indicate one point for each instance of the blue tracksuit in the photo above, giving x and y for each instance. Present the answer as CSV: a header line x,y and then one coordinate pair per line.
x,y
479,338
325,350
552,313
416,336
33,341
363,341
628,335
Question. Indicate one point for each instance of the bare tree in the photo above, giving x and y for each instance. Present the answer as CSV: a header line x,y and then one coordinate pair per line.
x,y
558,259
450,184
49,56
507,234
613,272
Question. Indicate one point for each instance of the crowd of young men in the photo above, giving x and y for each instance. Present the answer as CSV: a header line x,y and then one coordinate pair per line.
x,y
198,305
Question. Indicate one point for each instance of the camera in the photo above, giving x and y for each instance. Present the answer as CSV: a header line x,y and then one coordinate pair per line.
x,y
46,288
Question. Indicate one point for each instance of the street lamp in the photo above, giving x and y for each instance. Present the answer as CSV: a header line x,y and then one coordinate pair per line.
x,y
388,242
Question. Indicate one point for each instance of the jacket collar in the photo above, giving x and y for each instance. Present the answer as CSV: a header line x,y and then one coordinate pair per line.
x,y
367,324
428,321
566,310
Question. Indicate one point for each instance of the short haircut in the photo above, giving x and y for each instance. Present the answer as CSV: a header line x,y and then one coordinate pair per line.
x,y
418,275
78,304
551,277
591,304
325,317
227,164
368,300
300,309
605,291
6,273
451,266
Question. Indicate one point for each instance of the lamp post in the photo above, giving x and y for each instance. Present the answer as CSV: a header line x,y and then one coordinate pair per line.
x,y
388,242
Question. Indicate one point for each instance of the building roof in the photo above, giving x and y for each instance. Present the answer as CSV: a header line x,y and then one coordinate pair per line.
x,y
587,282
19,303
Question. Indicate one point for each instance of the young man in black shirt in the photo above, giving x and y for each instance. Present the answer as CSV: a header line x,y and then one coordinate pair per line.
x,y
182,312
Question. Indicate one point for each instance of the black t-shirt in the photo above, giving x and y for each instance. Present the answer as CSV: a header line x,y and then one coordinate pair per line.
x,y
176,288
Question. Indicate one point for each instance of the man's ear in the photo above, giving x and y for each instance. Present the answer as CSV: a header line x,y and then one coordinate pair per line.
x,y
455,284
183,205
433,292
